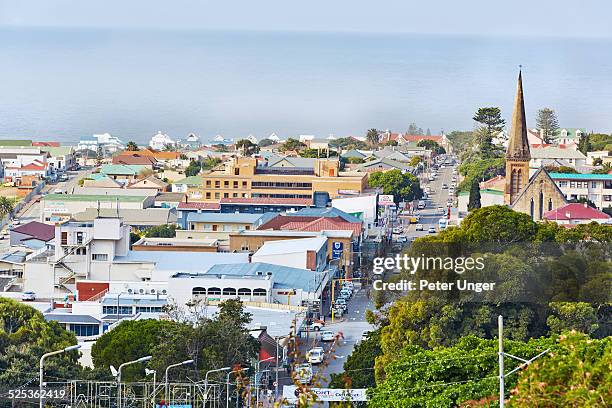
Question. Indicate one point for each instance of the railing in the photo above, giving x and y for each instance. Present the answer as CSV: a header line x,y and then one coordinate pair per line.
x,y
97,296
36,253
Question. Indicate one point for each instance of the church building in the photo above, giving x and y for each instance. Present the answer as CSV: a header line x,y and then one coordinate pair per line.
x,y
536,195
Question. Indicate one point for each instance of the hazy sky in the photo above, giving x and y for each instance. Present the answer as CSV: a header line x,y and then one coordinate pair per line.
x,y
568,18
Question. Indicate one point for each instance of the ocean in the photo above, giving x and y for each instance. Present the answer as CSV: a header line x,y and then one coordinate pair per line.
x,y
71,83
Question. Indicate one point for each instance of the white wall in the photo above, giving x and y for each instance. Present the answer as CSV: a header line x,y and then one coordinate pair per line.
x,y
293,260
364,204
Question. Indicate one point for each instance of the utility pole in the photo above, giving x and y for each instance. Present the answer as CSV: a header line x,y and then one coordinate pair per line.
x,y
502,354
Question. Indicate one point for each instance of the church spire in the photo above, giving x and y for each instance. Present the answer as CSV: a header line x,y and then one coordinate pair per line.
x,y
518,144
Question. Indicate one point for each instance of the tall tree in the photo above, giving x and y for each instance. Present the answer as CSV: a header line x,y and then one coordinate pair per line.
x,y
372,137
413,129
131,146
584,144
247,147
491,123
474,202
548,124
403,186
99,156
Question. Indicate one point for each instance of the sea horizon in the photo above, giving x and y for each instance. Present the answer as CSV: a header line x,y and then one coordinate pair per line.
x,y
69,83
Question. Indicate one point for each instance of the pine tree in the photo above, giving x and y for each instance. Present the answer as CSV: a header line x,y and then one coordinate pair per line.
x,y
584,144
548,124
474,202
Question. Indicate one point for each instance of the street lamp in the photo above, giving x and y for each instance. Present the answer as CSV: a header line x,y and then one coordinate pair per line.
x,y
227,388
140,360
257,381
42,370
206,378
182,363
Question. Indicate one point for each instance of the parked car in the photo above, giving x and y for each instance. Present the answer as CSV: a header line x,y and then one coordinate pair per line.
x,y
28,296
348,284
315,355
346,293
419,227
441,210
432,230
303,373
444,186
316,325
327,335
398,230
402,238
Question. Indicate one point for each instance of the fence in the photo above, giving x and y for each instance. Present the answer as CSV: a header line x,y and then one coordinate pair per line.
x,y
99,394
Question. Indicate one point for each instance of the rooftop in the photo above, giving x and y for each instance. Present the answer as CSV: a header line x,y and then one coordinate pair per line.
x,y
241,218
183,260
289,246
197,205
130,216
575,211
95,197
272,201
122,169
44,232
191,181
578,176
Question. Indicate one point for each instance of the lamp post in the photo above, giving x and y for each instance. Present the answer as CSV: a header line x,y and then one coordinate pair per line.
x,y
140,360
257,381
227,388
182,363
42,368
206,378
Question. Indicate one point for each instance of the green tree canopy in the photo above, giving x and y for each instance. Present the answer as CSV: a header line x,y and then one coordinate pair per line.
x,y
547,123
131,146
292,144
474,202
193,169
403,186
431,145
372,137
247,147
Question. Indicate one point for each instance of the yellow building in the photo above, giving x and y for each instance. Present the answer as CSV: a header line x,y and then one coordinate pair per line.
x,y
245,177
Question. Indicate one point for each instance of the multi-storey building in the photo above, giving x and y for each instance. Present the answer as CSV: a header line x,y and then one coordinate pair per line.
x,y
243,177
593,187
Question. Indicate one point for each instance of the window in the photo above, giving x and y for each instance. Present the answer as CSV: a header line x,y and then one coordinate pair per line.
x,y
608,184
226,184
123,310
85,330
214,291
208,183
148,309
235,184
229,292
593,184
244,184
99,257
225,195
198,291
259,292
244,247
244,292
235,195
607,198
572,184
236,171
563,183
217,183
217,195
208,195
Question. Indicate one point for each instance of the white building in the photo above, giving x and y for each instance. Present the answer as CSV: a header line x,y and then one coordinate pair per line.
x,y
540,156
363,207
106,141
304,253
160,141
274,137
593,187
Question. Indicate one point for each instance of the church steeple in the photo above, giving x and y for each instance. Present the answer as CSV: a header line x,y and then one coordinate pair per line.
x,y
518,144
517,155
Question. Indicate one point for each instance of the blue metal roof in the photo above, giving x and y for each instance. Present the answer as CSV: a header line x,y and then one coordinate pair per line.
x,y
71,318
236,218
579,176
184,261
284,277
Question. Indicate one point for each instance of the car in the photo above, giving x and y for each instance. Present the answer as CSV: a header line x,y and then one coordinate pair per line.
x,y
58,191
316,325
346,293
419,227
402,238
398,230
16,222
348,284
337,311
28,296
327,335
63,177
441,210
432,178
303,373
315,355
444,186
432,230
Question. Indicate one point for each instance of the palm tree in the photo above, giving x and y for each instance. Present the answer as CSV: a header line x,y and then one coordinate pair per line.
x,y
131,146
372,137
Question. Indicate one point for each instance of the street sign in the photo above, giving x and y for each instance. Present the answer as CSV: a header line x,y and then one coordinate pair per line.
x,y
385,199
337,250
291,393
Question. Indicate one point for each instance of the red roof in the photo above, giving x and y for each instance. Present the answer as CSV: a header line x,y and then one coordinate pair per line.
x,y
35,165
262,200
311,224
418,138
134,159
49,144
196,205
575,211
38,230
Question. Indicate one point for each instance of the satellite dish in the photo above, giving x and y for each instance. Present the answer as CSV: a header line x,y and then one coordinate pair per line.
x,y
114,371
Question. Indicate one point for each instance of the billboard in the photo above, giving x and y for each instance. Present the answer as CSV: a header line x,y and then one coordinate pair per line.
x,y
291,393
